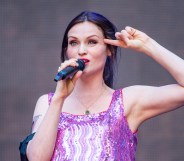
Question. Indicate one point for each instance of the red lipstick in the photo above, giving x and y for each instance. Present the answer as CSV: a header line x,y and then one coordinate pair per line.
x,y
85,60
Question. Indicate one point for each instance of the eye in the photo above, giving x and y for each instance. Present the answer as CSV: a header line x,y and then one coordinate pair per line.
x,y
92,42
73,43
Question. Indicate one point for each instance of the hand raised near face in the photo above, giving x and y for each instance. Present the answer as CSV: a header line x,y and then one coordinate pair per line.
x,y
130,38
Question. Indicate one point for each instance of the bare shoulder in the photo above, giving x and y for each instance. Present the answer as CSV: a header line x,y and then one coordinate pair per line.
x,y
41,105
131,95
41,108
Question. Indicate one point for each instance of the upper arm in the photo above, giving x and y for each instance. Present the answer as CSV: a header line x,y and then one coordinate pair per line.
x,y
158,100
39,112
144,102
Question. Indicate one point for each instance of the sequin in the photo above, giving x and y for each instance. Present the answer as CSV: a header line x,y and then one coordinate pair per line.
x,y
103,136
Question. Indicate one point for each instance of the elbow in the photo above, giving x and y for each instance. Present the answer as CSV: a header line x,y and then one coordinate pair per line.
x,y
36,154
181,84
180,80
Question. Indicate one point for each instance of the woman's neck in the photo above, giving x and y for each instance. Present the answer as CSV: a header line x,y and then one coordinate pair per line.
x,y
89,86
88,93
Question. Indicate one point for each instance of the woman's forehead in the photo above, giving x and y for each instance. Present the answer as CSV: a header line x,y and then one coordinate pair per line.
x,y
85,29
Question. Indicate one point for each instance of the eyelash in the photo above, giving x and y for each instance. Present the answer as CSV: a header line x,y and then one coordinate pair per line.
x,y
93,41
90,42
71,42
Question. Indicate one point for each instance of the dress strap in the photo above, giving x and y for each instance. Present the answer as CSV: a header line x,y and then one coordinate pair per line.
x,y
118,95
118,100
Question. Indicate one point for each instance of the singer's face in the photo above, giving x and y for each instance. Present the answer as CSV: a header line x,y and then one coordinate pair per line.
x,y
86,40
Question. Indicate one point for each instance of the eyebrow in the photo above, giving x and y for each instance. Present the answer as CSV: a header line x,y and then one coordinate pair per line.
x,y
87,37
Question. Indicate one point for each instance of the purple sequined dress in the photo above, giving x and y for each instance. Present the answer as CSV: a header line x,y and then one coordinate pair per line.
x,y
96,137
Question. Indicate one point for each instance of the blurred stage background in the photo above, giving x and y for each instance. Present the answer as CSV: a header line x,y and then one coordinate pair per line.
x,y
31,35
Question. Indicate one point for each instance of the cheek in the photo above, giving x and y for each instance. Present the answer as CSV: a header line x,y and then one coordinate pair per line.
x,y
99,57
71,52
100,53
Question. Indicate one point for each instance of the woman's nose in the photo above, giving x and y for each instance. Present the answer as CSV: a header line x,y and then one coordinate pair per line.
x,y
82,51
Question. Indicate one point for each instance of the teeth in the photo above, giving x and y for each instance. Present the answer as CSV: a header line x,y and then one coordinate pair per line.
x,y
85,60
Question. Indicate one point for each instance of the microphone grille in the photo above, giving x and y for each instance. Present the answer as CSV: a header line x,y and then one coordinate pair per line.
x,y
81,64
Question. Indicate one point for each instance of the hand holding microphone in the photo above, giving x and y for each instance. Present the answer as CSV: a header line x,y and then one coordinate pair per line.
x,y
69,71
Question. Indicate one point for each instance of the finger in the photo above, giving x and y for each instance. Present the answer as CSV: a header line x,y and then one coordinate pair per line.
x,y
112,42
71,62
76,77
117,35
124,33
132,31
123,38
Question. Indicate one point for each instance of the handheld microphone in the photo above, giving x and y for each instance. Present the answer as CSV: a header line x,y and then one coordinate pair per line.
x,y
70,71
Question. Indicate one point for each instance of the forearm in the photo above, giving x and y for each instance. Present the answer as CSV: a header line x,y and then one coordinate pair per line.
x,y
171,62
42,145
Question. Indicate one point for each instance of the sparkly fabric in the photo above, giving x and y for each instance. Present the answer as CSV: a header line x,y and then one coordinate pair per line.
x,y
96,137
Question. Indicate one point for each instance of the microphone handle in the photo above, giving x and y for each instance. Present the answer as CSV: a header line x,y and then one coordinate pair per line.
x,y
70,71
65,73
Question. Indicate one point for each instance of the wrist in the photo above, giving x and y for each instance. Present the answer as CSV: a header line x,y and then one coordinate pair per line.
x,y
58,98
150,47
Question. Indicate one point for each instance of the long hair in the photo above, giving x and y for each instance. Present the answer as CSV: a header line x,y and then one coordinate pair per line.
x,y
108,30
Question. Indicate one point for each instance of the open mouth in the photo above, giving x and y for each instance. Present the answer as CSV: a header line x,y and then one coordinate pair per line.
x,y
85,60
